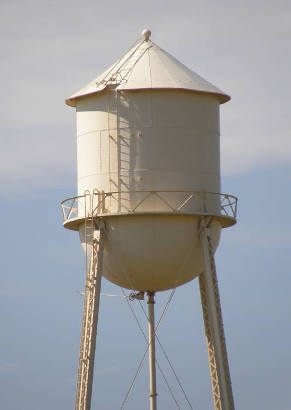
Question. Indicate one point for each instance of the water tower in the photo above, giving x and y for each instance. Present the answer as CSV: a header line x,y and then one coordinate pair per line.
x,y
149,209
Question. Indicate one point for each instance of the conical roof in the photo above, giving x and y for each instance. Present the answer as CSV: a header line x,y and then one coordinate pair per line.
x,y
147,66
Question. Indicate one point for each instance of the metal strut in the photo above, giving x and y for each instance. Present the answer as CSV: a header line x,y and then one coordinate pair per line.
x,y
89,323
214,332
152,350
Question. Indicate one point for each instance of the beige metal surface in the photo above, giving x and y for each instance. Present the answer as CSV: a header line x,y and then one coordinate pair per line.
x,y
147,66
152,252
214,332
135,141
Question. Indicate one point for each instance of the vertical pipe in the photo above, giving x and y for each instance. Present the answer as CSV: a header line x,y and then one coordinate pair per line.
x,y
152,350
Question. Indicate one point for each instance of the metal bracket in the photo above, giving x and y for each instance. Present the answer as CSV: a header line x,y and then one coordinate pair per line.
x,y
136,296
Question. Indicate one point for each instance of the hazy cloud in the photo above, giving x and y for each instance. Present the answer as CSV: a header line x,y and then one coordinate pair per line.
x,y
52,49
9,368
109,370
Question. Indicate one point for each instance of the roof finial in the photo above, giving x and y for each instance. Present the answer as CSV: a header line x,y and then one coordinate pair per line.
x,y
146,33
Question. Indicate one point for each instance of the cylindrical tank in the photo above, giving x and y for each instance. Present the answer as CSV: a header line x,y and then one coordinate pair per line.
x,y
146,145
148,140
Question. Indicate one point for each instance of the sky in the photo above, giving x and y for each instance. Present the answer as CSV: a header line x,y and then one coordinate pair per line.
x,y
49,50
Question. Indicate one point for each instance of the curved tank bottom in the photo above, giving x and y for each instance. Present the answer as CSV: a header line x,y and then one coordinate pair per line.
x,y
152,252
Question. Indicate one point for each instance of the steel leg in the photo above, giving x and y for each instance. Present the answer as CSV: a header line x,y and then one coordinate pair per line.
x,y
89,325
215,339
152,351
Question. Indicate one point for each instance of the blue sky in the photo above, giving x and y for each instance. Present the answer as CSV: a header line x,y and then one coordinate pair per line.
x,y
49,51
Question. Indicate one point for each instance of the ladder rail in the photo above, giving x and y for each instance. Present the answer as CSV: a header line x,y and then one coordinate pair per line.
x,y
120,66
89,322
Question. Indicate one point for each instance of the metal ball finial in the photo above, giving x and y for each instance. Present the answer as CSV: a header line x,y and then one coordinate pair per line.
x,y
146,33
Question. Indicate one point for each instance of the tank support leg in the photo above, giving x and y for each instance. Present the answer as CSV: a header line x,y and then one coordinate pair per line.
x,y
214,332
89,324
152,350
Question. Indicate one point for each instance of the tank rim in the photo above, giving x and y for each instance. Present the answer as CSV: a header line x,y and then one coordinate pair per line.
x,y
225,221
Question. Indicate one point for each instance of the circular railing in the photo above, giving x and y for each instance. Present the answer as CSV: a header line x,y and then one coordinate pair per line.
x,y
100,203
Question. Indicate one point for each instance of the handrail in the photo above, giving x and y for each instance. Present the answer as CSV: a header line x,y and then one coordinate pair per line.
x,y
192,202
154,191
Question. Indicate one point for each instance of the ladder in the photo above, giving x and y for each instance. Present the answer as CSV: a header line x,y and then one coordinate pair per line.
x,y
119,145
214,332
119,72
90,317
